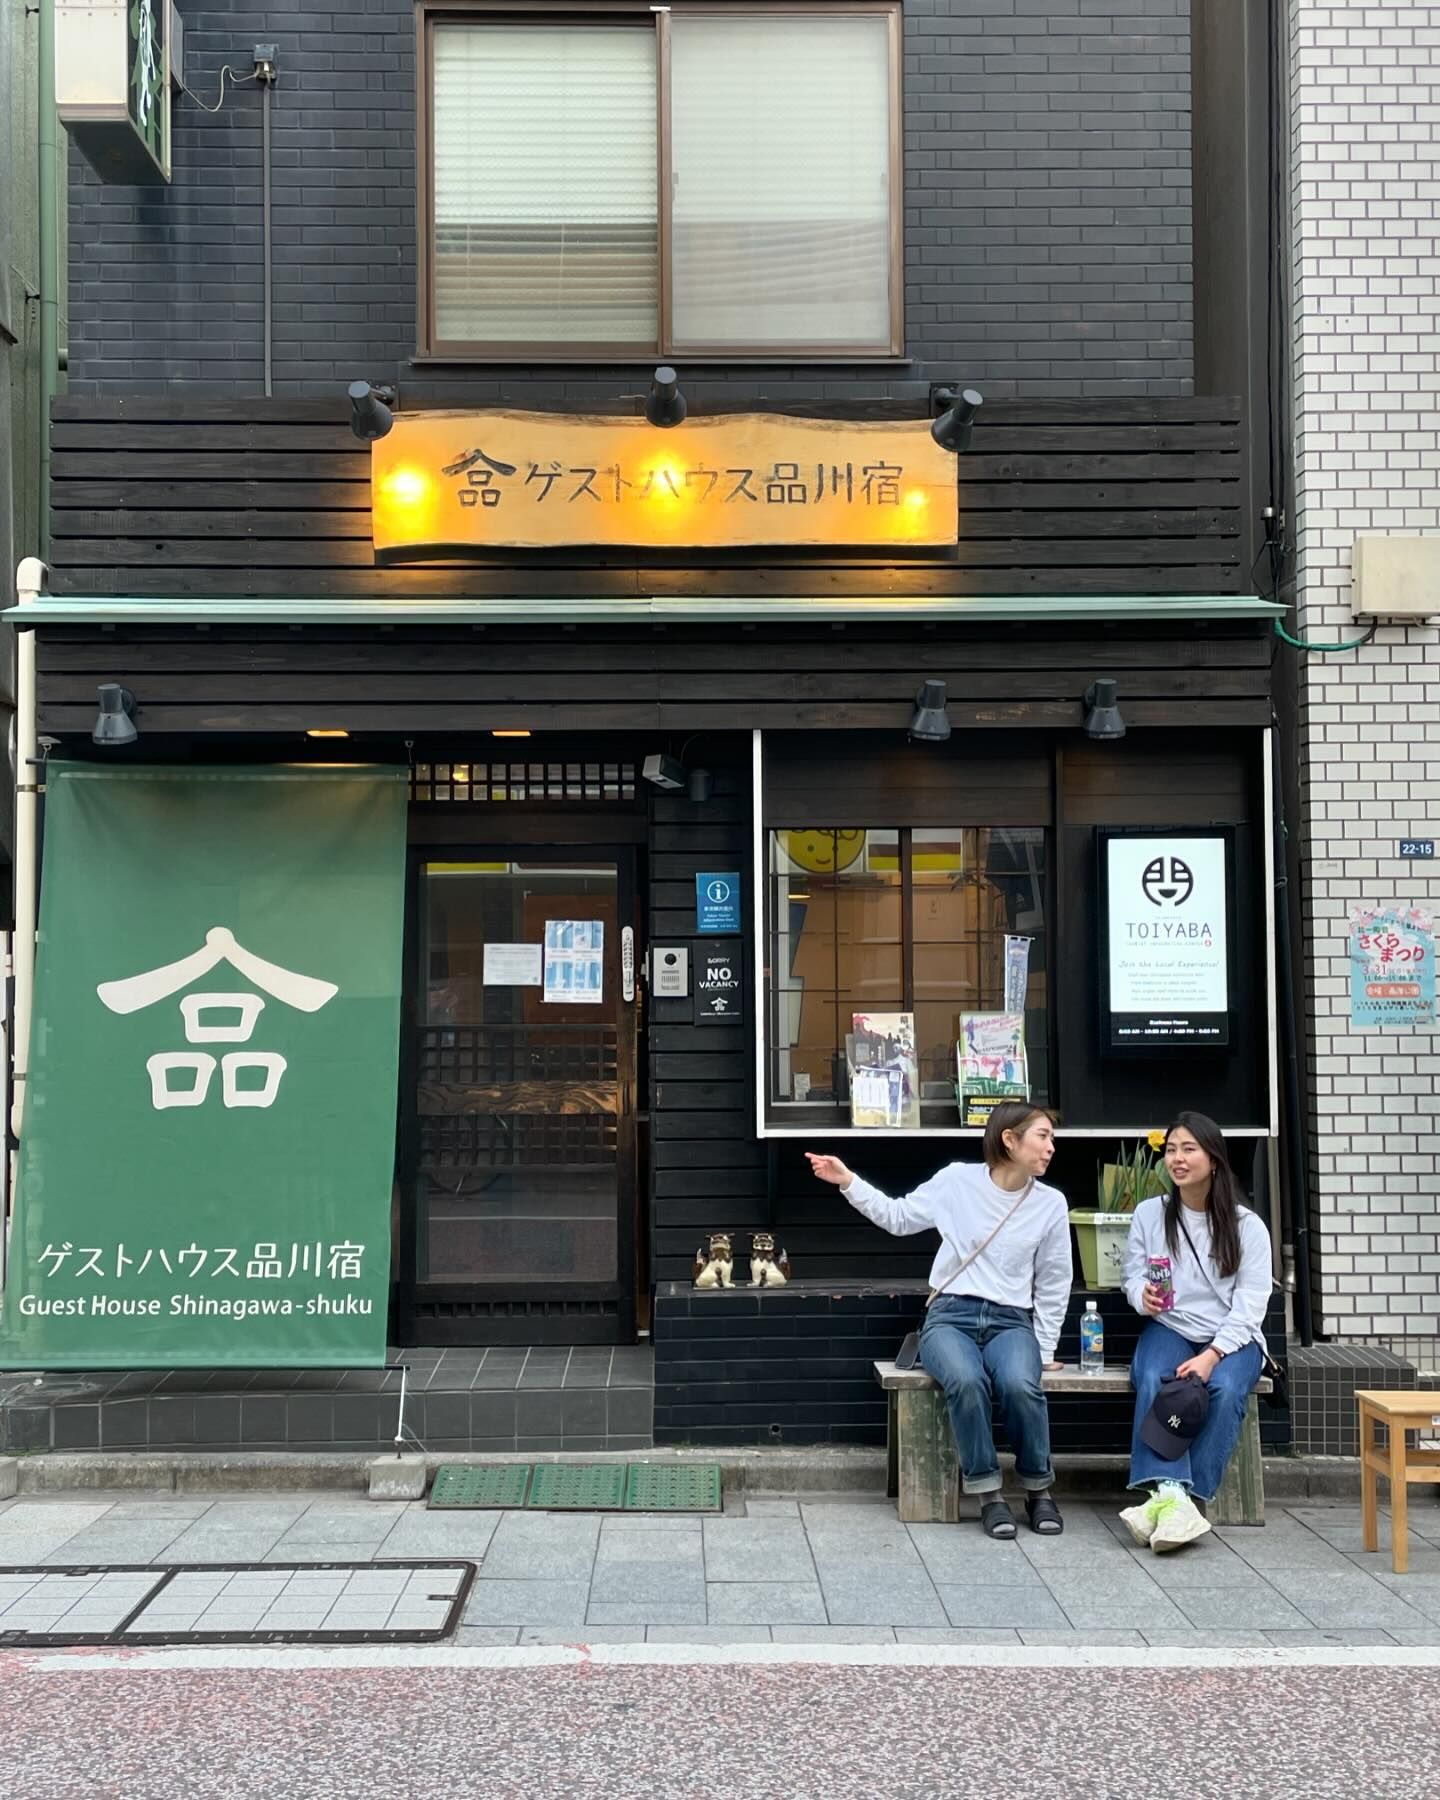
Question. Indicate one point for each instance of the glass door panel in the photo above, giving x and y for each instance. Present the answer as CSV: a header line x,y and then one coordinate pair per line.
x,y
520,1084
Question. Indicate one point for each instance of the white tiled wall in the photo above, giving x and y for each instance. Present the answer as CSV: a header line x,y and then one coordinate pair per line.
x,y
1365,197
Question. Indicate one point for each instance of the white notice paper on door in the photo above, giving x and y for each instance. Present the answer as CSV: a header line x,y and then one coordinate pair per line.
x,y
575,961
514,965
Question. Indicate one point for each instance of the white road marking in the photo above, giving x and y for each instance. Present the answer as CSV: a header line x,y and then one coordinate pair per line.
x,y
188,1660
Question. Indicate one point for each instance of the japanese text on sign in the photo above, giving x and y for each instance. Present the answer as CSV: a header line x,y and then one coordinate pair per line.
x,y
1392,966
537,479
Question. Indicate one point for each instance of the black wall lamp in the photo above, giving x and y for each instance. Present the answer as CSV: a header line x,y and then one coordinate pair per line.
x,y
665,404
952,430
930,723
1102,714
115,721
370,414
668,773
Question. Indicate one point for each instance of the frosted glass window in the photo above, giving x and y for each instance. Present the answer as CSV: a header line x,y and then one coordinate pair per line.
x,y
544,186
778,231
780,181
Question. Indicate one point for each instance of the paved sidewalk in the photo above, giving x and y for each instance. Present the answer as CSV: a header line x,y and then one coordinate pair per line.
x,y
800,1571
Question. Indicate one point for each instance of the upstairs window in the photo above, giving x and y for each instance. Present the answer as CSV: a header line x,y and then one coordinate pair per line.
x,y
694,181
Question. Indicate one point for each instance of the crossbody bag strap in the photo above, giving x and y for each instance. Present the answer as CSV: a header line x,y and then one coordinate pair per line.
x,y
980,1249
1267,1361
1199,1260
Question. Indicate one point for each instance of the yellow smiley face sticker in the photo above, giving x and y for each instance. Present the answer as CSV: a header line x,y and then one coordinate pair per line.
x,y
822,852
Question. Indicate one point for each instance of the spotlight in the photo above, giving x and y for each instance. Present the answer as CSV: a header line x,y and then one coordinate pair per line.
x,y
666,772
665,404
370,414
1102,715
115,721
931,723
951,431
699,786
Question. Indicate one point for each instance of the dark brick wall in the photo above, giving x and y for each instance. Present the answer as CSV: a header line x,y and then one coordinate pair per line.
x,y
1047,217
794,1365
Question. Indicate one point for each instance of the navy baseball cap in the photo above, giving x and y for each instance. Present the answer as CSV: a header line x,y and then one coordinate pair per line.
x,y
1174,1421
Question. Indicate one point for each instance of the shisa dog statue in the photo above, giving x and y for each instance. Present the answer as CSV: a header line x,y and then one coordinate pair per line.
x,y
715,1270
767,1269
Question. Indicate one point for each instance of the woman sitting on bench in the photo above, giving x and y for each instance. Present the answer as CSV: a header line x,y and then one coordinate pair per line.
x,y
1000,1282
1204,1343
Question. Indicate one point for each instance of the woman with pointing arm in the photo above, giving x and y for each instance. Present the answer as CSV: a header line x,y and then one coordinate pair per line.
x,y
1000,1283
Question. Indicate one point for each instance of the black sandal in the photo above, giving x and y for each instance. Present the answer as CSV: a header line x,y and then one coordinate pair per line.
x,y
1044,1515
996,1519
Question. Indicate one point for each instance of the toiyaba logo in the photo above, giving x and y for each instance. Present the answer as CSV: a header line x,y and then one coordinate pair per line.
x,y
1171,931
1167,881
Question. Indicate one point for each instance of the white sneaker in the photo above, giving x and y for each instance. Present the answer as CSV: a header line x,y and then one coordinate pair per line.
x,y
1140,1521
1178,1522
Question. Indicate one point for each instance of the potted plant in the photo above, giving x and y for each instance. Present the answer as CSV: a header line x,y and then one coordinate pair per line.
x,y
1119,1188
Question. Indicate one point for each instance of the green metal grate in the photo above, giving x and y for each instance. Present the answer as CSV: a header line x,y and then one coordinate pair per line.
x,y
590,1487
655,1488
485,1485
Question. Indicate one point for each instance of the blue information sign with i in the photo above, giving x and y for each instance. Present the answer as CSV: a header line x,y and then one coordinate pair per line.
x,y
717,901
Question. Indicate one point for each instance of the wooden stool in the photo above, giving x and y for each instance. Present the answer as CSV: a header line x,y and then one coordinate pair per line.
x,y
1400,1464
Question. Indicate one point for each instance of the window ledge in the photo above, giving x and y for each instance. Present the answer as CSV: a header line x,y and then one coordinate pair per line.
x,y
687,362
885,1134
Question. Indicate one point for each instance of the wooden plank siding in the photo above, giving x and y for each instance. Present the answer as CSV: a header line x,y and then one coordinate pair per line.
x,y
708,1171
172,496
673,679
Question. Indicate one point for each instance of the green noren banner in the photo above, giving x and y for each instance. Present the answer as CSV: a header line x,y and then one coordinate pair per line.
x,y
208,1142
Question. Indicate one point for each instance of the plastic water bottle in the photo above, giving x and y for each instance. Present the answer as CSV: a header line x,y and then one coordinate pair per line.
x,y
1092,1341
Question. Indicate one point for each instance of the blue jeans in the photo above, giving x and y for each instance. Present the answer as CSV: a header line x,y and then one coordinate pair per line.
x,y
1202,1467
979,1353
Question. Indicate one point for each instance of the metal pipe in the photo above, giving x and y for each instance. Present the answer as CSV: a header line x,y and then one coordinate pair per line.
x,y
1293,1118
29,581
47,201
265,222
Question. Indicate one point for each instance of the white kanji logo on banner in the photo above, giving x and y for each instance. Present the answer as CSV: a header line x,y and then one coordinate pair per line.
x,y
216,1018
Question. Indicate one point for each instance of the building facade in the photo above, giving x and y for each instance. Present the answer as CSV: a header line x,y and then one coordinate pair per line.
x,y
1363,234
1011,208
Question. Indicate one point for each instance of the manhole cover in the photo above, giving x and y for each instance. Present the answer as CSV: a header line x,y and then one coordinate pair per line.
x,y
653,1487
591,1487
462,1484
233,1603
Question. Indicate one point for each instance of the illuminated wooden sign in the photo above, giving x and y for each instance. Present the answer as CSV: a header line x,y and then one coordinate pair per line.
x,y
457,481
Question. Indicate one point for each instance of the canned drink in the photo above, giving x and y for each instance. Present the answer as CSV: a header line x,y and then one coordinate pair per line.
x,y
1157,1273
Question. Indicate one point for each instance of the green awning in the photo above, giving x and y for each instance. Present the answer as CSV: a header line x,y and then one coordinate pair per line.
x,y
749,610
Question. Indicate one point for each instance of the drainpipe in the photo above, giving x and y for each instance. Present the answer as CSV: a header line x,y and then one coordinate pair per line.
x,y
47,197
29,583
1292,1118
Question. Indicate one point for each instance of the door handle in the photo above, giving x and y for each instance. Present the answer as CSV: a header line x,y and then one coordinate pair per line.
x,y
627,964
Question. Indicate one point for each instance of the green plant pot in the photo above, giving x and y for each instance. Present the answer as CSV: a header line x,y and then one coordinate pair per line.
x,y
1102,1237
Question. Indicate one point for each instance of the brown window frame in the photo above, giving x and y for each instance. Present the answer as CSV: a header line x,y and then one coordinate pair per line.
x,y
432,348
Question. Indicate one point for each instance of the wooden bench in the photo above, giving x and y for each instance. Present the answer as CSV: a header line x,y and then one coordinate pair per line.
x,y
925,1474
1400,1463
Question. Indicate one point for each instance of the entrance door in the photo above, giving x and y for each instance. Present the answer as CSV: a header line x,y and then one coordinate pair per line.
x,y
520,1158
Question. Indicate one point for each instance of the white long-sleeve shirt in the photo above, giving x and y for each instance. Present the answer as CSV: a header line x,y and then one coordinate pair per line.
x,y
1027,1265
1229,1319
